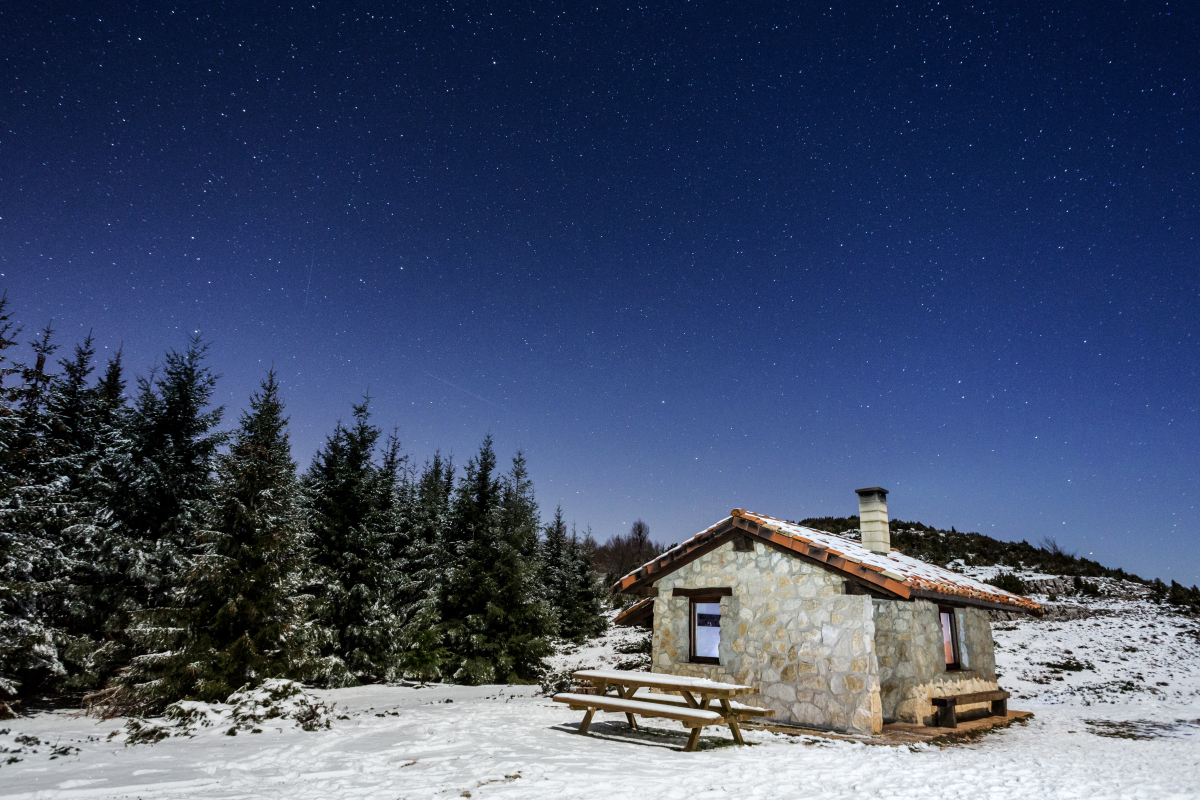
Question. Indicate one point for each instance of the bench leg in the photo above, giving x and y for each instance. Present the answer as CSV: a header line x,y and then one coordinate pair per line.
x,y
587,720
733,721
1000,708
947,716
626,693
693,740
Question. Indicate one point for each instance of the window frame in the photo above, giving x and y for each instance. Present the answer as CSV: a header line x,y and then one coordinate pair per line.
x,y
693,601
955,639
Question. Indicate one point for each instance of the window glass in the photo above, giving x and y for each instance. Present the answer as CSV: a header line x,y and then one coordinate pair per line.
x,y
707,634
948,638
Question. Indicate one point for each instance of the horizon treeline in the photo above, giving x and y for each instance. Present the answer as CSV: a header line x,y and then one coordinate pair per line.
x,y
147,556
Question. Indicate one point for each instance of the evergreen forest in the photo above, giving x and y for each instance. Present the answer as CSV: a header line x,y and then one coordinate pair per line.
x,y
151,552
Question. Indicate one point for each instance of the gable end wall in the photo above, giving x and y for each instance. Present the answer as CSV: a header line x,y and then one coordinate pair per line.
x,y
788,630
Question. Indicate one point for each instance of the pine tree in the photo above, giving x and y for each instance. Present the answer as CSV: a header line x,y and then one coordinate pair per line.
x,y
466,590
1158,591
167,478
51,428
496,620
241,615
95,604
82,425
15,639
583,612
424,655
519,612
350,505
42,507
421,570
556,572
571,584
28,655
156,478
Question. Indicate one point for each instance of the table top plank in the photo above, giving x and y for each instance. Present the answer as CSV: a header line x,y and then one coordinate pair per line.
x,y
679,683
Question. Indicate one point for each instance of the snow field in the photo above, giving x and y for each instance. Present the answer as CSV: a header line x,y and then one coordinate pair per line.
x,y
1106,727
503,742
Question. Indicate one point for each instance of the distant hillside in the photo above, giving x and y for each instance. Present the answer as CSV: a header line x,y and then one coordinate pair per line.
x,y
941,547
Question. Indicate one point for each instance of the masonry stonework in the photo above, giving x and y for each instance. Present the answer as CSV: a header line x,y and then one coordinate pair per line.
x,y
912,664
788,630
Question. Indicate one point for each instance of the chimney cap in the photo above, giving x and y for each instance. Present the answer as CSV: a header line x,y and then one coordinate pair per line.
x,y
872,490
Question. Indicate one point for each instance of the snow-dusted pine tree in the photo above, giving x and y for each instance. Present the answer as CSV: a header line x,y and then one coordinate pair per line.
x,y
497,622
157,479
167,477
241,615
350,503
54,431
82,432
582,615
93,608
30,558
47,507
571,584
555,569
421,569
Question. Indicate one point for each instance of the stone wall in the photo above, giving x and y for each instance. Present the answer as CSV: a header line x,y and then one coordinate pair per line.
x,y
912,663
788,630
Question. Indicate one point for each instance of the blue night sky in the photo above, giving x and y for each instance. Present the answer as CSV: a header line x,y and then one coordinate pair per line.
x,y
687,258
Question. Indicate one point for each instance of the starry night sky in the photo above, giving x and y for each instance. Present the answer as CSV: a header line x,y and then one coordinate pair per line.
x,y
688,256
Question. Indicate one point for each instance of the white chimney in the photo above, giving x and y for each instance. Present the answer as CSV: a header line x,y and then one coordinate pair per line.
x,y
873,519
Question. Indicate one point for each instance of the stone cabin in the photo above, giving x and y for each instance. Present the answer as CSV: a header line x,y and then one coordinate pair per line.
x,y
833,633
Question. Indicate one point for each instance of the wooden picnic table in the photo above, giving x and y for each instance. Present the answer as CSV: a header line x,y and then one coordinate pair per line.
x,y
696,702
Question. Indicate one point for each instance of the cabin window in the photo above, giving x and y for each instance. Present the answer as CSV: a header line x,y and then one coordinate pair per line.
x,y
950,637
706,630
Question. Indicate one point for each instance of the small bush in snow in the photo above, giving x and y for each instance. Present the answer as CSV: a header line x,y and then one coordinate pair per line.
x,y
1008,582
246,709
553,682
140,731
279,699
193,715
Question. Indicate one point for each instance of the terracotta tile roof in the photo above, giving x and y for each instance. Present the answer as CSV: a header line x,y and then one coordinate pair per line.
x,y
893,573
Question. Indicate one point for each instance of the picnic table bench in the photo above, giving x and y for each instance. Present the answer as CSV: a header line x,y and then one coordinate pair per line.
x,y
947,713
697,702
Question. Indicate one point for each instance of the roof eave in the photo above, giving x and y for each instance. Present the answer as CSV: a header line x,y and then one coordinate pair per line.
x,y
636,615
966,600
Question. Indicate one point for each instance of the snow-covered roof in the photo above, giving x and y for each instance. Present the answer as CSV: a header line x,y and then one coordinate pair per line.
x,y
891,573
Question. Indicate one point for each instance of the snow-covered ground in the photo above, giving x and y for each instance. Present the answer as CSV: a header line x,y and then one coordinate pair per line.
x,y
1116,697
